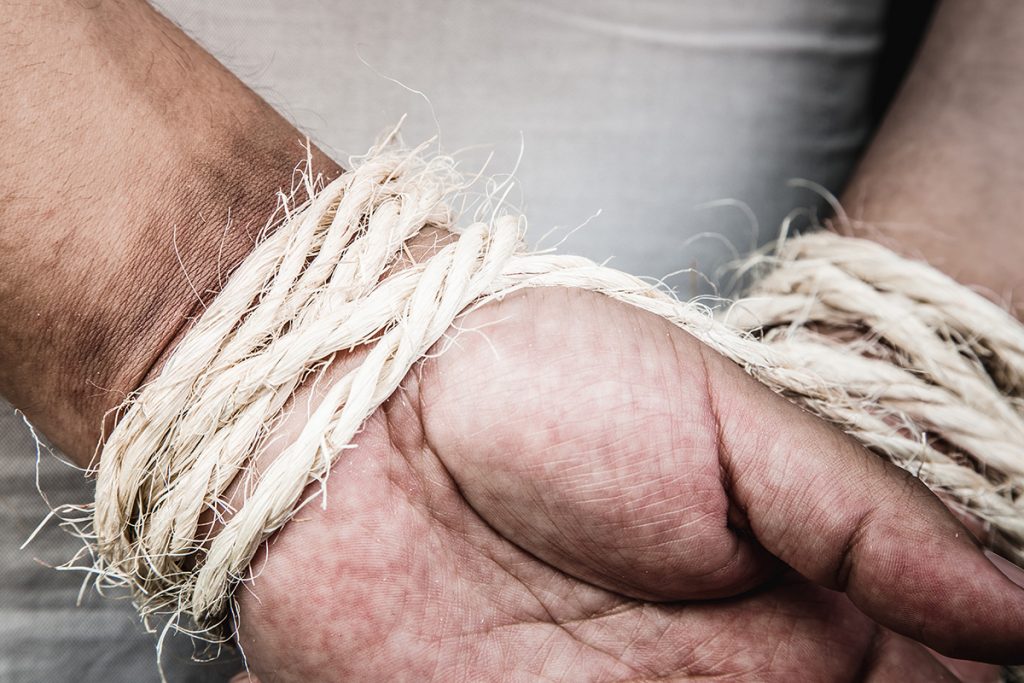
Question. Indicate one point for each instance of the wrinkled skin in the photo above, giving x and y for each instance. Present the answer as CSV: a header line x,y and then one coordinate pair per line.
x,y
576,490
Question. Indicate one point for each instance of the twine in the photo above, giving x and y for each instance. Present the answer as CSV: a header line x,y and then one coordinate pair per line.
x,y
930,375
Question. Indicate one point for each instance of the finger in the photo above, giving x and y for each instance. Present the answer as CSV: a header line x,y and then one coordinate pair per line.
x,y
967,671
848,520
244,677
1012,571
895,659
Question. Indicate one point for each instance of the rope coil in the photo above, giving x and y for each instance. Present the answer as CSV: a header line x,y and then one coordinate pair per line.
x,y
932,379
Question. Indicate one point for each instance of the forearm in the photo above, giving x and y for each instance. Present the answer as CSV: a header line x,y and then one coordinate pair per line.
x,y
942,178
135,172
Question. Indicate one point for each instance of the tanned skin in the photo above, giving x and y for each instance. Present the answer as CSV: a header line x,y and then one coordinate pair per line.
x,y
942,178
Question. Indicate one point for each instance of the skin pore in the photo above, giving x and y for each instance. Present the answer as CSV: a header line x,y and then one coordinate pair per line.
x,y
519,506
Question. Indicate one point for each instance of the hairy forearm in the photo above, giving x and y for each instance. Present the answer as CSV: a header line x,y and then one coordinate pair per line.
x,y
135,172
942,178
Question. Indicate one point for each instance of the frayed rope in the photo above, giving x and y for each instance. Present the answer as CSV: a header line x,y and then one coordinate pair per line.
x,y
918,368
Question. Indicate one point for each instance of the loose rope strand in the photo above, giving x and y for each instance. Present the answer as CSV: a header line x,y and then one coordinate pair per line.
x,y
931,376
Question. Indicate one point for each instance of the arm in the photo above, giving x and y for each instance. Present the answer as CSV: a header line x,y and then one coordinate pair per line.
x,y
126,149
942,178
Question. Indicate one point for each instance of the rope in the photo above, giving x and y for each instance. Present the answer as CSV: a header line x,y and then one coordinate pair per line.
x,y
930,374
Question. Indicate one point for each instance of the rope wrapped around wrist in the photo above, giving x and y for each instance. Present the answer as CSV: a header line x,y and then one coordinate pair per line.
x,y
928,374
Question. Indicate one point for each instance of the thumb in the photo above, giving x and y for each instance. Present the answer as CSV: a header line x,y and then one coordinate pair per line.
x,y
848,520
244,677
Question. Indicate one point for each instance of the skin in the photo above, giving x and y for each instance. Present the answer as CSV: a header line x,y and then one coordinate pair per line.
x,y
594,527
125,147
940,179
577,489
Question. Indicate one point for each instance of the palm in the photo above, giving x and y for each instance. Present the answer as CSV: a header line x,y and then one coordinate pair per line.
x,y
551,498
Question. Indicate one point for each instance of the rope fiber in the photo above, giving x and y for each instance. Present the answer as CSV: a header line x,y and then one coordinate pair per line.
x,y
918,368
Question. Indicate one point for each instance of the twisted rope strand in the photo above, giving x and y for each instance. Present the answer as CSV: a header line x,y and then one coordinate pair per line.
x,y
932,379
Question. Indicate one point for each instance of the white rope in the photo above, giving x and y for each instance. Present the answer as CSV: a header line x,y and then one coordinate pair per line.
x,y
931,379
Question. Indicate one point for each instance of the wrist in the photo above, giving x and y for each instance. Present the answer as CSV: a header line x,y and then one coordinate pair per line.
x,y
198,223
939,181
114,231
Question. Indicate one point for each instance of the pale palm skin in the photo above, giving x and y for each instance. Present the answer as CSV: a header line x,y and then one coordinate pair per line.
x,y
578,491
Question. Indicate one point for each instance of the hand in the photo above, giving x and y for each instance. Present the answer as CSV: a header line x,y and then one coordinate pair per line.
x,y
577,489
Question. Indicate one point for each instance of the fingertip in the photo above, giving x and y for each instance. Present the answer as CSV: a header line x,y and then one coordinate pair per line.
x,y
1007,568
972,606
896,658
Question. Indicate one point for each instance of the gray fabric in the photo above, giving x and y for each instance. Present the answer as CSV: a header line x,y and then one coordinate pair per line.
x,y
642,109
43,635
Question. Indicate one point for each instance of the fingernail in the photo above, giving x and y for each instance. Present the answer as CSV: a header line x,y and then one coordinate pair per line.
x,y
1009,569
